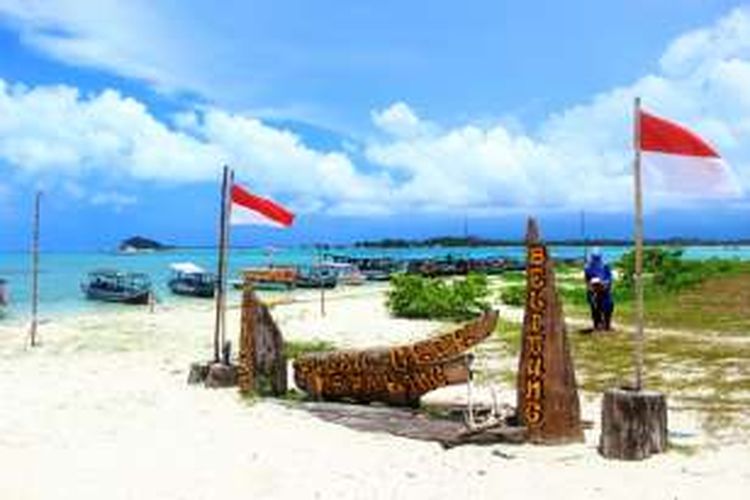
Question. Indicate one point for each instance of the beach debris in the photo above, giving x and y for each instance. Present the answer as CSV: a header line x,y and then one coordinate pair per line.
x,y
433,426
262,363
198,373
547,397
398,375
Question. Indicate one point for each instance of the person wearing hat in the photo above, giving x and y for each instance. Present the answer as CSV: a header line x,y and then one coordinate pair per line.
x,y
598,277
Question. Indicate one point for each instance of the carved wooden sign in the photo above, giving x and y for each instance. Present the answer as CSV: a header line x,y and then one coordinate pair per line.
x,y
262,363
398,375
547,395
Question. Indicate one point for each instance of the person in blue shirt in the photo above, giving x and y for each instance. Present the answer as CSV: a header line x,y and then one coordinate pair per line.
x,y
598,277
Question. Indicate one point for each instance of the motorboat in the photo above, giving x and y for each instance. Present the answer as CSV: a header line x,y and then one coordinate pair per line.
x,y
109,285
191,280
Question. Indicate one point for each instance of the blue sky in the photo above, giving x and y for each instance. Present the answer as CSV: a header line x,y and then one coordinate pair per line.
x,y
369,119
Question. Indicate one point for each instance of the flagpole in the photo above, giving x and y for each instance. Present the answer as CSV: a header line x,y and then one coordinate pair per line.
x,y
227,217
35,270
639,319
220,270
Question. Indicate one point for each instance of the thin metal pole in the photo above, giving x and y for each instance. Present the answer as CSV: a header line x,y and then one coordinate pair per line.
x,y
35,271
583,236
639,318
320,282
220,279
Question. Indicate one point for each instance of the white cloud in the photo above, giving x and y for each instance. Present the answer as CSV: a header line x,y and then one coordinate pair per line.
x,y
399,120
113,199
579,157
109,34
582,156
56,131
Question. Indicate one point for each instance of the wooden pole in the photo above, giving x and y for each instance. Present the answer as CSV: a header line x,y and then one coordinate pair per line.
x,y
225,259
639,319
35,271
221,268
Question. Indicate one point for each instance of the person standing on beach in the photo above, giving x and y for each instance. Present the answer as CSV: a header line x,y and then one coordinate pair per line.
x,y
598,276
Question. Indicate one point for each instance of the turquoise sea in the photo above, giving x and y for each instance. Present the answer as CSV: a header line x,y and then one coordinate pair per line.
x,y
61,273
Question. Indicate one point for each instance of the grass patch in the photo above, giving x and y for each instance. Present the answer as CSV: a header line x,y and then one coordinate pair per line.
x,y
708,375
295,348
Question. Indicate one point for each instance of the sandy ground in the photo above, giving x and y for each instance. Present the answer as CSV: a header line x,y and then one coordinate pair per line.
x,y
101,410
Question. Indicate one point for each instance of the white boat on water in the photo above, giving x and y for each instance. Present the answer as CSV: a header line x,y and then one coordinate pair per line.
x,y
346,274
192,280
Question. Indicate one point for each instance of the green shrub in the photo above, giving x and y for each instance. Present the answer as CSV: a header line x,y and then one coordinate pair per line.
x,y
414,296
513,295
667,271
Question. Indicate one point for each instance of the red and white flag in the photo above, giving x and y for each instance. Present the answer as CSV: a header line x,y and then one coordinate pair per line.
x,y
248,208
677,160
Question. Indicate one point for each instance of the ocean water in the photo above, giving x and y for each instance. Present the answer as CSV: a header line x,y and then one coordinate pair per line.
x,y
61,273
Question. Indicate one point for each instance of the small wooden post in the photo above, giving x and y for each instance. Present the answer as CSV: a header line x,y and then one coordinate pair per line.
x,y
35,271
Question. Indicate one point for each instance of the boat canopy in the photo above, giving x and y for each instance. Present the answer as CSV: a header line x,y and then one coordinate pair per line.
x,y
187,268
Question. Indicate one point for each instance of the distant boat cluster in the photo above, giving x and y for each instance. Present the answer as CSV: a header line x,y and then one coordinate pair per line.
x,y
189,279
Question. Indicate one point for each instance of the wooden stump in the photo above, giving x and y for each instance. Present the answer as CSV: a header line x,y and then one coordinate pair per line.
x,y
634,424
221,375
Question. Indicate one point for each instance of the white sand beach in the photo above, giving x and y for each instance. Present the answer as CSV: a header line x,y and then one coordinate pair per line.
x,y
101,410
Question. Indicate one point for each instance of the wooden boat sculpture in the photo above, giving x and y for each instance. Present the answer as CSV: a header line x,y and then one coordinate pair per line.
x,y
398,375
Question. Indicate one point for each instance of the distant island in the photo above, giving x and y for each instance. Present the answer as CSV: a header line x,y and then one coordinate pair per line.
x,y
473,241
138,244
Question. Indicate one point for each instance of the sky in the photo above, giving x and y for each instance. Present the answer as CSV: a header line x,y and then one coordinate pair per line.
x,y
368,119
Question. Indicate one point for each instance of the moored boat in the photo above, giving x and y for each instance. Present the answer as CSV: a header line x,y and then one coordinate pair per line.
x,y
346,274
109,285
4,296
316,277
270,278
191,280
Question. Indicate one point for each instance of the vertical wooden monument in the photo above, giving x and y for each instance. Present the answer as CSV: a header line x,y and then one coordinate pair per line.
x,y
546,385
262,363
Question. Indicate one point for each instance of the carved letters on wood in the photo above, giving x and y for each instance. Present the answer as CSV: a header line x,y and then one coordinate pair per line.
x,y
399,375
534,367
547,397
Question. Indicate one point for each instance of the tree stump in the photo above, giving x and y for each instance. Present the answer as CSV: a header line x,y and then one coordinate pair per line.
x,y
634,424
221,375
